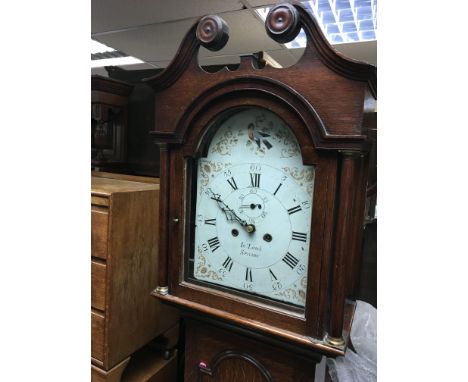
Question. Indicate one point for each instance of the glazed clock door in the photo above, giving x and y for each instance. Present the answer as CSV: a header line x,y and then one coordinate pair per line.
x,y
253,208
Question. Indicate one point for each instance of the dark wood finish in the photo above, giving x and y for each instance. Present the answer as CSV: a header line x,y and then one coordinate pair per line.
x,y
342,250
367,290
112,375
163,218
110,97
326,100
124,316
131,105
150,366
212,32
223,355
273,331
282,23
357,234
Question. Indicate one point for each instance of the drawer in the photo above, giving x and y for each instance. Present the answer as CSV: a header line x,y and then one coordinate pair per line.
x,y
99,224
98,285
97,336
99,201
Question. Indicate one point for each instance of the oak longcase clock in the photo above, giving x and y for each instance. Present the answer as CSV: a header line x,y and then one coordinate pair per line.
x,y
263,179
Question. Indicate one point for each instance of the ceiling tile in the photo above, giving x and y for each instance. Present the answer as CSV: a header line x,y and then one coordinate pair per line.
x,y
151,43
362,51
160,42
220,60
246,35
110,15
258,3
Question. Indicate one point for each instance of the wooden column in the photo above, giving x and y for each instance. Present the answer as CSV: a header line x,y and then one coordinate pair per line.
x,y
163,220
358,229
342,246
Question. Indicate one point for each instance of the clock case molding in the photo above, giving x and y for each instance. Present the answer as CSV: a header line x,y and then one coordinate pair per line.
x,y
327,100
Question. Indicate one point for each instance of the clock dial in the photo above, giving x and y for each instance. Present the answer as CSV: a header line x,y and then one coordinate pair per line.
x,y
253,209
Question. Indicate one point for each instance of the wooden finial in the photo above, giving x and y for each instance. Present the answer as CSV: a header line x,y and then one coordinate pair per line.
x,y
212,32
282,23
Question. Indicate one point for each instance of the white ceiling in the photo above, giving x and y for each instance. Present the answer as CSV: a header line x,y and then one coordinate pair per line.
x,y
152,30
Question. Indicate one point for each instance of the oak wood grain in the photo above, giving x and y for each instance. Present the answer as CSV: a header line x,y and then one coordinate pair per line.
x,y
106,186
123,279
98,285
97,336
133,178
99,201
99,234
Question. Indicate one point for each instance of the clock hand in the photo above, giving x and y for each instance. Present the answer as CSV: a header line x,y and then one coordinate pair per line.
x,y
230,214
252,206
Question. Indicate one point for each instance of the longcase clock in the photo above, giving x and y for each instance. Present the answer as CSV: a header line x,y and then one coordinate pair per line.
x,y
263,179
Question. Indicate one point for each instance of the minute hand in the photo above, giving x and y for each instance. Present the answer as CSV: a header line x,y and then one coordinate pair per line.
x,y
230,214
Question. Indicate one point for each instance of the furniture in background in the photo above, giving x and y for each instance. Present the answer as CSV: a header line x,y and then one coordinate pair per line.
x,y
122,115
109,99
124,249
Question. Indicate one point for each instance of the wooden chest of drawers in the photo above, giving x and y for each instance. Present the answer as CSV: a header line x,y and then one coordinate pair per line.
x,y
124,229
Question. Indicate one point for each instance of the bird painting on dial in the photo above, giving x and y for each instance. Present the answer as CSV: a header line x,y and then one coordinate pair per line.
x,y
258,137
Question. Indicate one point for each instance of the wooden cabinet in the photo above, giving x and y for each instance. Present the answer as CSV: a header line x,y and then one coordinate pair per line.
x,y
124,227
227,354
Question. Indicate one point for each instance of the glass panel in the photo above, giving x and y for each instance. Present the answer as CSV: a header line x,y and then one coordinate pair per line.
x,y
253,208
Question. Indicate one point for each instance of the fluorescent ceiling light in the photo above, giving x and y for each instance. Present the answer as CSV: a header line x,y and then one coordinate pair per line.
x,y
115,61
342,21
97,47
103,55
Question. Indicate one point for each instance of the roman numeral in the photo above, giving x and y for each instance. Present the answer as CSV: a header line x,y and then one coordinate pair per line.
x,y
248,274
294,210
272,275
290,260
254,180
228,264
210,221
299,236
232,183
213,243
274,193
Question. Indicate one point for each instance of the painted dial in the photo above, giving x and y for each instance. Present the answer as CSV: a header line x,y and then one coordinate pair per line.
x,y
254,207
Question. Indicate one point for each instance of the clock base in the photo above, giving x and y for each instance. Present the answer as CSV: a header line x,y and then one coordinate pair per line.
x,y
214,354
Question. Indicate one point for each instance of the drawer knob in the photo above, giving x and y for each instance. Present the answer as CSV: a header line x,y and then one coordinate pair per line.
x,y
175,220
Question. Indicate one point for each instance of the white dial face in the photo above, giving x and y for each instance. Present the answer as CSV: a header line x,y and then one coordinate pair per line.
x,y
254,206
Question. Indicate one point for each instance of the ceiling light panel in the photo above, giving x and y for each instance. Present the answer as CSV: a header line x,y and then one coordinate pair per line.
x,y
342,21
97,47
117,61
103,55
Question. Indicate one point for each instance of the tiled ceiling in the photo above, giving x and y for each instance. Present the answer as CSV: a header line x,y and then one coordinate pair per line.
x,y
152,30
